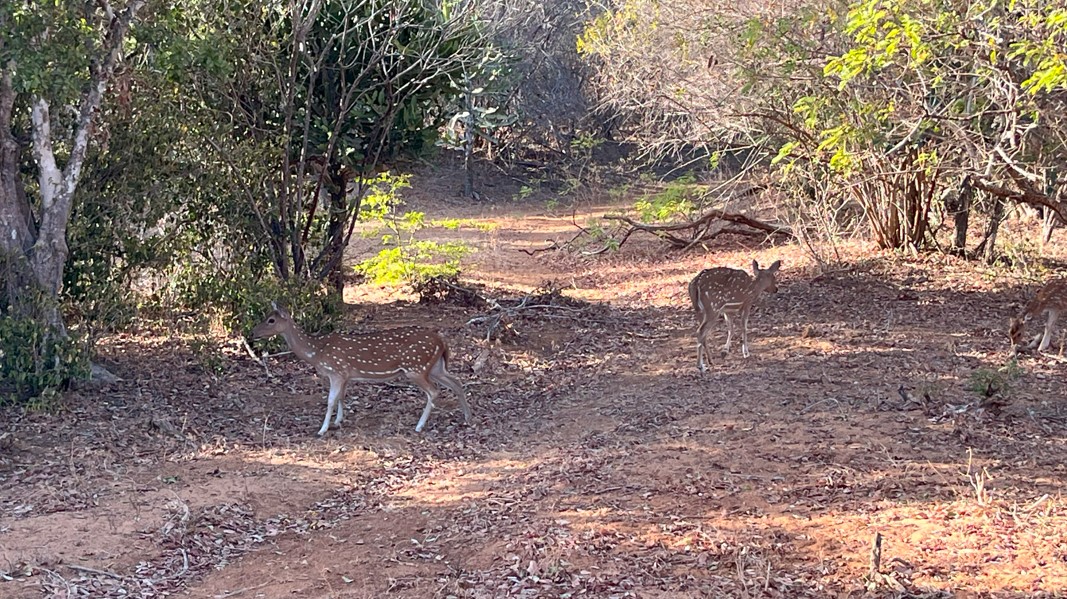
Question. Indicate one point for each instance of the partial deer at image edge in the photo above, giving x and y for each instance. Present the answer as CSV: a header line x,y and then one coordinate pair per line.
x,y
731,293
416,353
1051,299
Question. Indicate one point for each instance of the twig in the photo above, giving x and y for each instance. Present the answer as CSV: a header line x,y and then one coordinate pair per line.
x,y
66,583
89,570
665,231
498,311
252,354
876,556
821,401
239,591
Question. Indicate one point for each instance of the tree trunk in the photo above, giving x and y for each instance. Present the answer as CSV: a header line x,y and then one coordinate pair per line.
x,y
960,209
468,141
989,244
335,236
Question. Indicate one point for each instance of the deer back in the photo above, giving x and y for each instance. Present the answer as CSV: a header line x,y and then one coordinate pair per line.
x,y
1053,296
722,287
716,287
385,353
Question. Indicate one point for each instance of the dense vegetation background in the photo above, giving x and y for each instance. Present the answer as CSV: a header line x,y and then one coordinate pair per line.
x,y
160,156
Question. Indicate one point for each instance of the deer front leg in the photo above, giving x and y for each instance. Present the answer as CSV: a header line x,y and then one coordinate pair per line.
x,y
729,333
331,401
744,334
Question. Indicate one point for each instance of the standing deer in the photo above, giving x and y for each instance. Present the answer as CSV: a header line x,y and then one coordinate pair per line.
x,y
732,293
1051,298
416,353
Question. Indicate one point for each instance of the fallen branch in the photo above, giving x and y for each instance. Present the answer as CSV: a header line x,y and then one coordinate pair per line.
x,y
700,230
89,570
499,313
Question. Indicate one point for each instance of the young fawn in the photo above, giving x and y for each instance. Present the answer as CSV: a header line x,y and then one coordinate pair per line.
x,y
732,293
1052,298
416,353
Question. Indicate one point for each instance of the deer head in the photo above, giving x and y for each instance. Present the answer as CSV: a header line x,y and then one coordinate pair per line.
x,y
277,322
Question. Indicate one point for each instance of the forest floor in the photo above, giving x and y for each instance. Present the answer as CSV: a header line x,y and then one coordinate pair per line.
x,y
599,463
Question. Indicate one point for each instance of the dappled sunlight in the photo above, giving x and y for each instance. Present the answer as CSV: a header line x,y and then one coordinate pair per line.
x,y
470,483
598,457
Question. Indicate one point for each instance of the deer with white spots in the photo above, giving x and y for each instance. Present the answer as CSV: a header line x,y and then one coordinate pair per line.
x,y
1052,298
415,353
732,293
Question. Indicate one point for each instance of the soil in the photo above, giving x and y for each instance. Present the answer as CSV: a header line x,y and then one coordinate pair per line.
x,y
879,400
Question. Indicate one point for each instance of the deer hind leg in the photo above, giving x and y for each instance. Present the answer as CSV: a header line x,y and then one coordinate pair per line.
x,y
729,333
439,374
703,357
1050,325
336,388
340,405
427,385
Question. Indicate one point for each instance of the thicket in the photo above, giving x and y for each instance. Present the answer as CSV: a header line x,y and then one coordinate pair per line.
x,y
914,114
236,147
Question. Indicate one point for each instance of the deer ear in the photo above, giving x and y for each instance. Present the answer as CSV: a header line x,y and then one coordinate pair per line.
x,y
274,305
282,312
775,266
755,267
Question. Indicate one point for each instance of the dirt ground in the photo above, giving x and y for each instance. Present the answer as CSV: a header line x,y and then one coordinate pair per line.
x,y
599,463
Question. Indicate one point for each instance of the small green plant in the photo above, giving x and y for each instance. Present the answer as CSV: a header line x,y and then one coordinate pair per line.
x,y
404,259
209,355
524,192
37,362
677,200
585,143
619,191
989,382
456,224
1023,254
598,234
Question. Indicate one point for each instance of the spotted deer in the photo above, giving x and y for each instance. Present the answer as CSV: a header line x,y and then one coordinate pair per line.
x,y
415,353
1052,298
732,293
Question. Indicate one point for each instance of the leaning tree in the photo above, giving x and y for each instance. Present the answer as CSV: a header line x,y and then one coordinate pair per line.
x,y
56,59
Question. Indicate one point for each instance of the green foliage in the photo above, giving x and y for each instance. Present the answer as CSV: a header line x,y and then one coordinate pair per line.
x,y
209,355
597,234
677,200
238,296
301,118
455,224
51,43
404,259
524,192
36,361
988,382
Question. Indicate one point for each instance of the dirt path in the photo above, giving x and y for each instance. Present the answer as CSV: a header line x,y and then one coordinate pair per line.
x,y
600,463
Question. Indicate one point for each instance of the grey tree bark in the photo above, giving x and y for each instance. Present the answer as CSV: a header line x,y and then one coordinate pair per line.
x,y
34,243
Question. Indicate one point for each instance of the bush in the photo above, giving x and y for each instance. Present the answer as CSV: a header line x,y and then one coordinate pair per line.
x,y
37,361
404,259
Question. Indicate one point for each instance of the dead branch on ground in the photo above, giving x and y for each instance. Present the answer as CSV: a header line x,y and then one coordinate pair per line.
x,y
701,230
503,312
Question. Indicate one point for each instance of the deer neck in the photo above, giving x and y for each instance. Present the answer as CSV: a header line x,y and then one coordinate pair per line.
x,y
302,346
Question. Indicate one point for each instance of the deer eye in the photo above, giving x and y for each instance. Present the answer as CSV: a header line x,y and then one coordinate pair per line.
x,y
271,320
